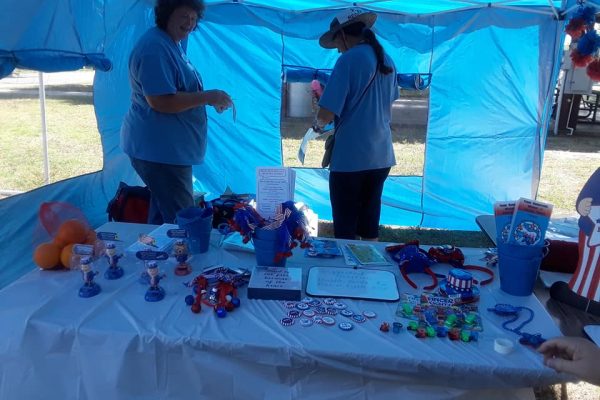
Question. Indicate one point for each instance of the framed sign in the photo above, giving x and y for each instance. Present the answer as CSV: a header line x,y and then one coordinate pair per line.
x,y
356,283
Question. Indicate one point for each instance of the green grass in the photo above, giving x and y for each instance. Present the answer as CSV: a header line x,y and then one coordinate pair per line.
x,y
409,147
75,148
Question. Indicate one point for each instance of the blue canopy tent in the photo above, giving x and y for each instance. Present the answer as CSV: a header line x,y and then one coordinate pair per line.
x,y
493,67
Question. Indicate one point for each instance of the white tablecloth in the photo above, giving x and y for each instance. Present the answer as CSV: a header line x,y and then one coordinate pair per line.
x,y
56,345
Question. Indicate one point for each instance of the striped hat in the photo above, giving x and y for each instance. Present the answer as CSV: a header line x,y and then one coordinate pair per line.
x,y
459,283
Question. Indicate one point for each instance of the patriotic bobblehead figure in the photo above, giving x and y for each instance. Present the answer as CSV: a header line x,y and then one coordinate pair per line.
x,y
583,286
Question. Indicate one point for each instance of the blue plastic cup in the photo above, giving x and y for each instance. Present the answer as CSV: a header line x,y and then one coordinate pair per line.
x,y
518,267
267,234
198,224
266,252
267,243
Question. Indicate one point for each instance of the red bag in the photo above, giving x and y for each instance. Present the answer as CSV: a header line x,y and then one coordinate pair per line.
x,y
130,204
562,257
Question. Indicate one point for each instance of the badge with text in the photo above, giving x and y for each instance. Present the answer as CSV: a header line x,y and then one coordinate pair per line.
x,y
146,255
177,233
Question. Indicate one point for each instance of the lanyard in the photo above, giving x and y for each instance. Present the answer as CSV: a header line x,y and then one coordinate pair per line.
x,y
528,339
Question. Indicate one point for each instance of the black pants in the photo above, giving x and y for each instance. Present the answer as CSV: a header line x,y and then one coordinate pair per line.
x,y
356,202
170,187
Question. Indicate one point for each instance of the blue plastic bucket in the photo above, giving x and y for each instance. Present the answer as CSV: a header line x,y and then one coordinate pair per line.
x,y
266,251
518,267
198,224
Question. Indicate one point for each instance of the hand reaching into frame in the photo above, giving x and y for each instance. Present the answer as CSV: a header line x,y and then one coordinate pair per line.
x,y
573,355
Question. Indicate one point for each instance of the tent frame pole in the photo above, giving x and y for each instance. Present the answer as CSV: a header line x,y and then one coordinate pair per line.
x,y
474,5
42,96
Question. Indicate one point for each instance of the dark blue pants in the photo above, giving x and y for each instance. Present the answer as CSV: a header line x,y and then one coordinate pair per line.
x,y
356,202
171,188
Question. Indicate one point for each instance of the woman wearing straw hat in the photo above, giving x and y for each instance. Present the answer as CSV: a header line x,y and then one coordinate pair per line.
x,y
358,96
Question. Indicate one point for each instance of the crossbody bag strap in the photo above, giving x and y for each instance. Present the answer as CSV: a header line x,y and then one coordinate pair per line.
x,y
360,98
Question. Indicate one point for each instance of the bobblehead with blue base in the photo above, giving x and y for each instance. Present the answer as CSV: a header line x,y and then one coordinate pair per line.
x,y
89,288
155,292
114,271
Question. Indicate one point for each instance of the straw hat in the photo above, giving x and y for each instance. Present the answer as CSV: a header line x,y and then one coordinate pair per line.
x,y
343,19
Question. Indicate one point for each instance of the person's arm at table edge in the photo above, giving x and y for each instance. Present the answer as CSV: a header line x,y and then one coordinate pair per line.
x,y
182,101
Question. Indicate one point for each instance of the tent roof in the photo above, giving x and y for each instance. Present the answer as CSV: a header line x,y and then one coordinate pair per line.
x,y
402,7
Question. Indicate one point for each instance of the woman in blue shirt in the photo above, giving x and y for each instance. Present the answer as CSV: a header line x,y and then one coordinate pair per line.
x,y
164,131
359,97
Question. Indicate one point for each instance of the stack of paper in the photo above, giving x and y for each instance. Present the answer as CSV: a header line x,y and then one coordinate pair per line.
x,y
274,185
529,222
503,213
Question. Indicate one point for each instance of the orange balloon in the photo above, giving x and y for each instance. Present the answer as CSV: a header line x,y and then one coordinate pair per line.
x,y
65,255
47,255
71,231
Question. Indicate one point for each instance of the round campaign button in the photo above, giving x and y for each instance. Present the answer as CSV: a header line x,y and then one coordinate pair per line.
x,y
347,313
369,314
305,322
289,304
320,310
328,320
314,303
345,326
339,306
294,313
358,318
329,301
287,321
318,320
308,313
307,299
331,310
302,306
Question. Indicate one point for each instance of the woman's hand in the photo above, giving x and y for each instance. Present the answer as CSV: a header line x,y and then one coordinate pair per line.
x,y
573,355
219,99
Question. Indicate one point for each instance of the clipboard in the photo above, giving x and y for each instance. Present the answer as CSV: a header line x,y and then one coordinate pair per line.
x,y
353,283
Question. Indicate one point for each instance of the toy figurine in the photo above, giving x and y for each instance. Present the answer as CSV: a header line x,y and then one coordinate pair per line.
x,y
89,288
154,292
180,251
113,271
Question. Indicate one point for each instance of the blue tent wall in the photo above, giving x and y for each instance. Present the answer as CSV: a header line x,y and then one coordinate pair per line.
x,y
493,74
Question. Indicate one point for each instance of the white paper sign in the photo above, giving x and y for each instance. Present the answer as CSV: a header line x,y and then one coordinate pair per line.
x,y
358,283
274,185
308,136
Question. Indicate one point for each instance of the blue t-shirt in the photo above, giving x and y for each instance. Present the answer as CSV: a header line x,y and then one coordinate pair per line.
x,y
363,138
158,66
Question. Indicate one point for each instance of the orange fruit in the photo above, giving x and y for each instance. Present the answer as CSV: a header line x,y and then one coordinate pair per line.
x,y
47,255
90,238
65,255
71,231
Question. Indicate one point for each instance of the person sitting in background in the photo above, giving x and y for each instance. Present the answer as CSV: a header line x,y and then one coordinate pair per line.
x,y
573,355
164,131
